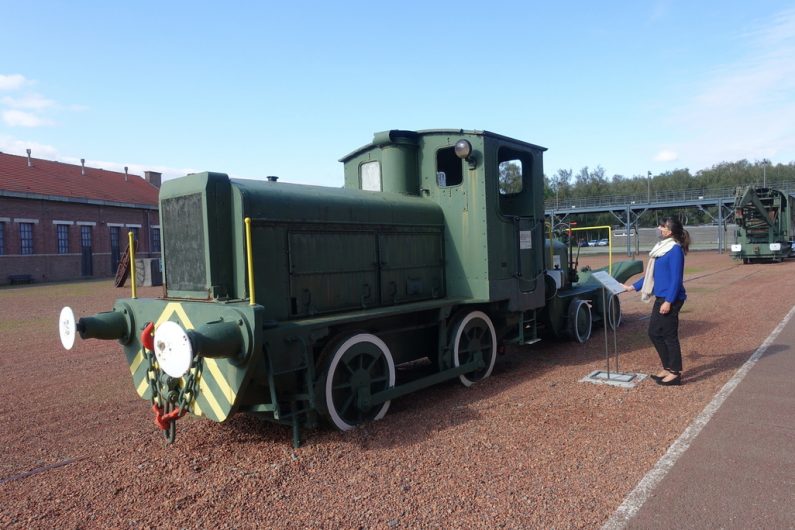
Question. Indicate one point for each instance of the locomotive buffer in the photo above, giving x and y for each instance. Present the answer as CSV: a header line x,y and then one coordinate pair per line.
x,y
616,377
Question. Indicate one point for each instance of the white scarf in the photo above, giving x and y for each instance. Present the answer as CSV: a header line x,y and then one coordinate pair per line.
x,y
660,249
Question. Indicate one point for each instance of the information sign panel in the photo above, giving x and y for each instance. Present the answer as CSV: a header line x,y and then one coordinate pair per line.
x,y
610,283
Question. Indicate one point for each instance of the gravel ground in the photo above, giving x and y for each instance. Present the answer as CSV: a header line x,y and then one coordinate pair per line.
x,y
531,447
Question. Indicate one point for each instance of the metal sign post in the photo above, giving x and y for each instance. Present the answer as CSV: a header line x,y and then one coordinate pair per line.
x,y
616,378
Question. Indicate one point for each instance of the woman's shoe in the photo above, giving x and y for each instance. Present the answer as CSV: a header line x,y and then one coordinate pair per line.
x,y
657,377
676,381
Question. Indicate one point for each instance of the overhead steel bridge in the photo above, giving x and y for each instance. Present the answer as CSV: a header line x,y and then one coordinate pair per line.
x,y
628,208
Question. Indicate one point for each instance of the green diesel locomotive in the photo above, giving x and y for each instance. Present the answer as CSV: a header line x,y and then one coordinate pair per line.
x,y
765,220
298,302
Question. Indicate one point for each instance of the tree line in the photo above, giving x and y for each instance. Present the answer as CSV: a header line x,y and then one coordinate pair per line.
x,y
564,186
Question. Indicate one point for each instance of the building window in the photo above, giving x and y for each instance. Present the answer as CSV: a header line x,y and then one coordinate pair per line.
x,y
63,238
26,238
114,237
134,230
115,253
155,240
85,236
2,238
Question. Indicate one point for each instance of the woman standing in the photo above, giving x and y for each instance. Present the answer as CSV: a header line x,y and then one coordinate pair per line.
x,y
663,279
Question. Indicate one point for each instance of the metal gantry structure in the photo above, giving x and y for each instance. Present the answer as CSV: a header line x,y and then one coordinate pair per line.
x,y
627,209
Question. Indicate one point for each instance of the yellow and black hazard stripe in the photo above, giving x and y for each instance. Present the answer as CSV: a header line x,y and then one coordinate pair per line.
x,y
215,397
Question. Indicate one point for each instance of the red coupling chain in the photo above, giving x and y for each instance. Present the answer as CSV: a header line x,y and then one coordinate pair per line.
x,y
148,337
164,420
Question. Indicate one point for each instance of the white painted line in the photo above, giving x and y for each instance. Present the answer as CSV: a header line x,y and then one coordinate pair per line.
x,y
638,496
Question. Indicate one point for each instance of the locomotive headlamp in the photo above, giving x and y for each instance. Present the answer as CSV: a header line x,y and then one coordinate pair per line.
x,y
463,149
173,349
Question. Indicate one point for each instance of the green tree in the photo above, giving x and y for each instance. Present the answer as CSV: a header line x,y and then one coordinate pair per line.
x,y
510,177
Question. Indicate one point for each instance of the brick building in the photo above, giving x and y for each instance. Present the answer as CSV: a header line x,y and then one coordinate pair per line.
x,y
63,221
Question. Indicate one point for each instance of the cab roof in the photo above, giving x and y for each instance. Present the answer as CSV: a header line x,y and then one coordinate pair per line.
x,y
383,138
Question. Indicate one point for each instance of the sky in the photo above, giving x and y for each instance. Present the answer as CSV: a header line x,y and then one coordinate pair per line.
x,y
263,88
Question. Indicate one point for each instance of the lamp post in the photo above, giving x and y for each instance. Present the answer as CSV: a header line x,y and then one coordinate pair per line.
x,y
765,162
648,182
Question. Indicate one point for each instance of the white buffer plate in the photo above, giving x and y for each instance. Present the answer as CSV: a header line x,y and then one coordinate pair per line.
x,y
67,329
173,349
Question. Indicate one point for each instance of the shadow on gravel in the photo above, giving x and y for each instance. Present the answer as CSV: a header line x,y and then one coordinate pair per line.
x,y
414,418
723,362
247,429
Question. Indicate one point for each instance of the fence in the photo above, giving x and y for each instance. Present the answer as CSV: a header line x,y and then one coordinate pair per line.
x,y
655,198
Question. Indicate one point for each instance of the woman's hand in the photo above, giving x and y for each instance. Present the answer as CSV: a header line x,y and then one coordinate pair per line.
x,y
628,287
665,308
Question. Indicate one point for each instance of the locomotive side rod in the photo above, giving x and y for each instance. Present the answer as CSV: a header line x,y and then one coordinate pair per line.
x,y
367,400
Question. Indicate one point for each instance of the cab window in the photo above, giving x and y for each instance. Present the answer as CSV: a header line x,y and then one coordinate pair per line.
x,y
370,176
515,178
449,168
511,172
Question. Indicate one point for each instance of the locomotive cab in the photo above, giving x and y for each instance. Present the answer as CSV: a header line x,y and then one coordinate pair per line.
x,y
490,188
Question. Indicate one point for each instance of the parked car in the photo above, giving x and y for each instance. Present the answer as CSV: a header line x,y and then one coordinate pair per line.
x,y
602,243
592,243
583,243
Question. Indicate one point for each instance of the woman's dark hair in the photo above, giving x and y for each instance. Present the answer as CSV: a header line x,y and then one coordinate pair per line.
x,y
678,232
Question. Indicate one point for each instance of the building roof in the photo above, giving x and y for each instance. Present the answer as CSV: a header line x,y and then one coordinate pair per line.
x,y
57,180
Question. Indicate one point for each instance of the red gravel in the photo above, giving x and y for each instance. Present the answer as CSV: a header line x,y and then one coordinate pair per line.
x,y
529,447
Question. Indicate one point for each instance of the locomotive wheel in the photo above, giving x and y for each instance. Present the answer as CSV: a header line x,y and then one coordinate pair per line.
x,y
361,360
580,320
474,333
613,312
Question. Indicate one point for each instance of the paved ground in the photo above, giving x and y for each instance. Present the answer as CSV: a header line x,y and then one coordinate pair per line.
x,y
739,471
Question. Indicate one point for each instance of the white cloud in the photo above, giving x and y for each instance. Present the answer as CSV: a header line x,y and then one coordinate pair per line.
x,y
16,146
28,109
18,118
666,155
12,81
28,101
745,109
